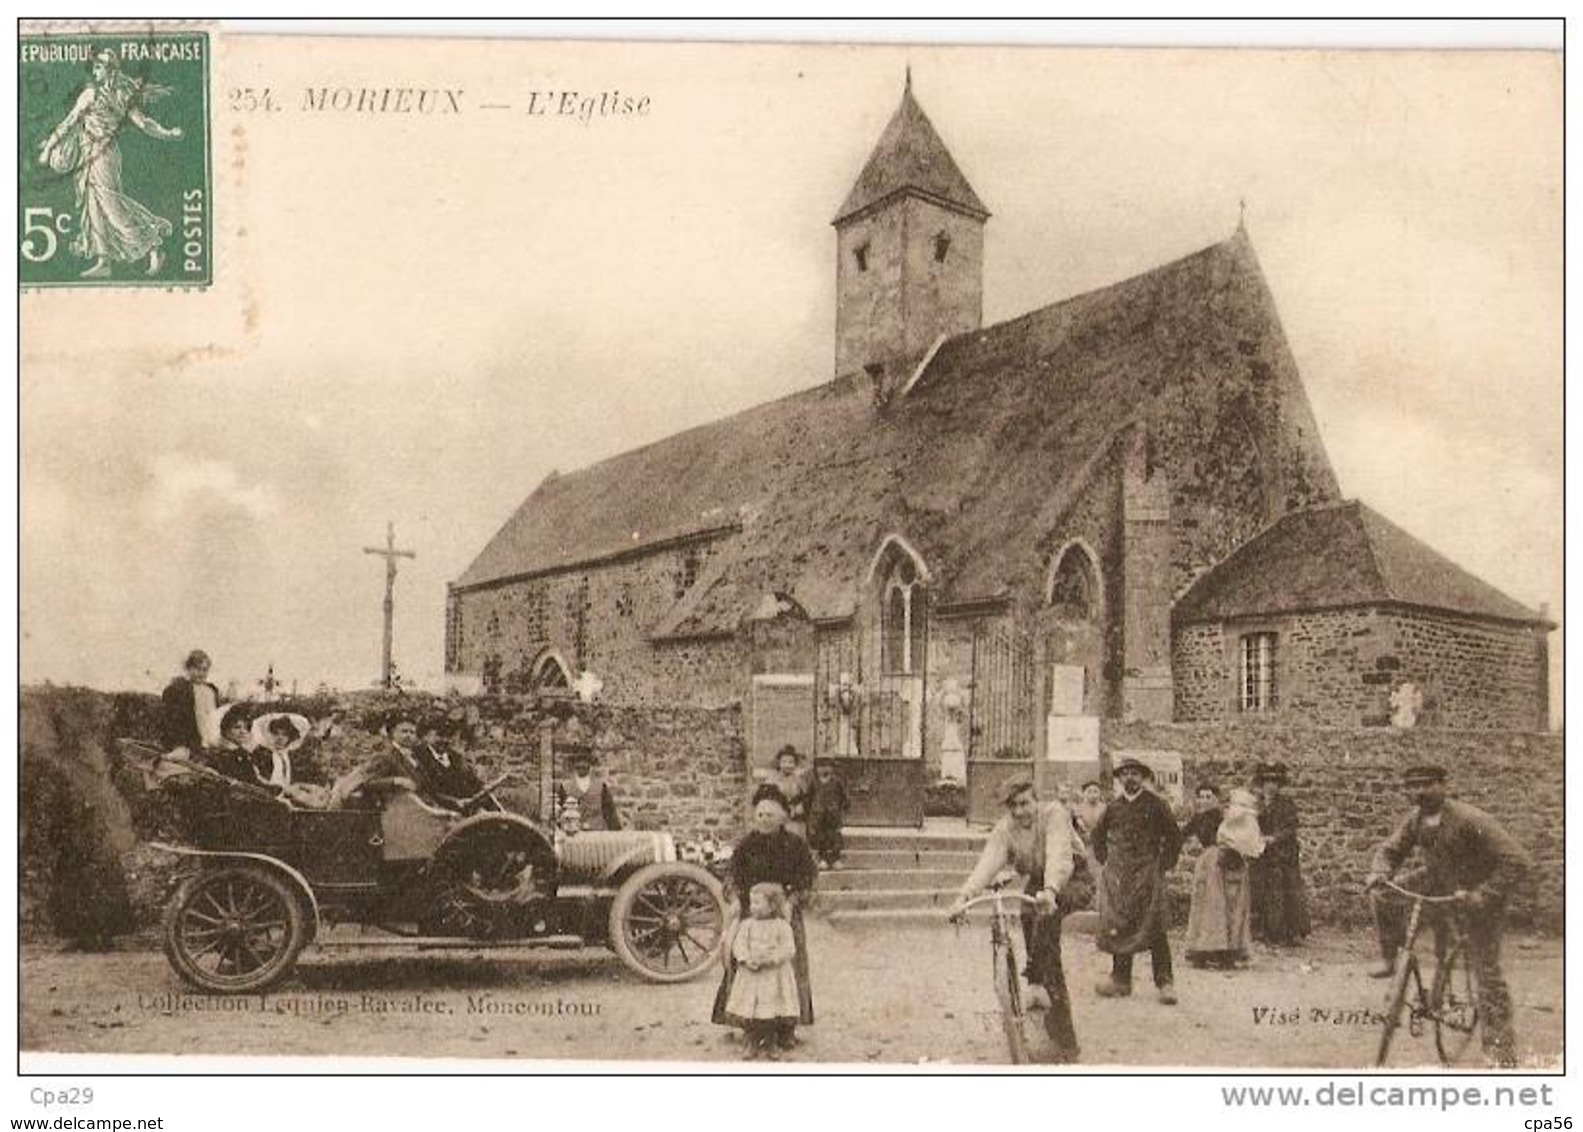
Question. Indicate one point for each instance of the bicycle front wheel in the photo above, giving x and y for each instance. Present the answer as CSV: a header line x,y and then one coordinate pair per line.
x,y
1008,990
1398,1011
1455,1005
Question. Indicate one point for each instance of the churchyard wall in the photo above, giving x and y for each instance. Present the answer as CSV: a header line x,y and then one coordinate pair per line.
x,y
1346,783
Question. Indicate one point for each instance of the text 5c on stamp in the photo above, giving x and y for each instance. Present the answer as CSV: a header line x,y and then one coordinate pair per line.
x,y
114,168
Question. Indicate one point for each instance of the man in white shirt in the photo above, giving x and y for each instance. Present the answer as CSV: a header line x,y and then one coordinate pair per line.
x,y
1037,841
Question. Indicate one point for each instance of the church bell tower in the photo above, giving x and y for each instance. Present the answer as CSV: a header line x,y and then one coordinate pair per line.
x,y
909,253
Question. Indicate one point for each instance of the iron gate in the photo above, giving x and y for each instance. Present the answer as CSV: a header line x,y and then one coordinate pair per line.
x,y
1004,722
872,731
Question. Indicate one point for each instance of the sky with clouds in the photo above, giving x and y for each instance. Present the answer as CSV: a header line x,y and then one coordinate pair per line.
x,y
417,318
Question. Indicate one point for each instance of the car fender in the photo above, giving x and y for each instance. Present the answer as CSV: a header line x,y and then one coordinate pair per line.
x,y
476,821
291,874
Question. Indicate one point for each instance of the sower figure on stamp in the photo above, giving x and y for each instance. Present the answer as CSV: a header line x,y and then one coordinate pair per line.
x,y
1136,842
111,226
1467,854
1039,842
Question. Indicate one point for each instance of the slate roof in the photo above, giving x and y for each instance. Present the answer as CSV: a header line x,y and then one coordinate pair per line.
x,y
992,444
1335,556
910,156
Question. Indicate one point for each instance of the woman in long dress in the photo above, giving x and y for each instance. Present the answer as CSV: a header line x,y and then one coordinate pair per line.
x,y
768,853
1218,925
111,226
1280,904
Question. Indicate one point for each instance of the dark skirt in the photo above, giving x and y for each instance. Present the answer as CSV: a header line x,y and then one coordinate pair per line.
x,y
799,967
1280,904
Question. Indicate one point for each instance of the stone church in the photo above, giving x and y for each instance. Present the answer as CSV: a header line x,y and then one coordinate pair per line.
x,y
972,543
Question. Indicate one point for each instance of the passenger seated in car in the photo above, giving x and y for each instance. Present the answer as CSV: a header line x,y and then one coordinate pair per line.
x,y
286,761
390,769
233,755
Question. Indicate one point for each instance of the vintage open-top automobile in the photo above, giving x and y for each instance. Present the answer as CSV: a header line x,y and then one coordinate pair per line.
x,y
263,877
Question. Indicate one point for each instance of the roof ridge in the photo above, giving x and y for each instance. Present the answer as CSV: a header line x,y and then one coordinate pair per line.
x,y
1373,551
1095,292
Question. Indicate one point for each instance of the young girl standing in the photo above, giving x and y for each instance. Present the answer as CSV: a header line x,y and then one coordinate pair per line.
x,y
764,992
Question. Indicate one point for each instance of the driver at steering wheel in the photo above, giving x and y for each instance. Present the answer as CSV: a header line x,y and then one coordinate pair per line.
x,y
438,766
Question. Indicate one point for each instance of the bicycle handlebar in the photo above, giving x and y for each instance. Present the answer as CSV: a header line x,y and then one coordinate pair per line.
x,y
1411,895
997,897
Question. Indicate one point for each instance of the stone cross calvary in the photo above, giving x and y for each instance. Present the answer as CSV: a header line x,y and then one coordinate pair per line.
x,y
389,553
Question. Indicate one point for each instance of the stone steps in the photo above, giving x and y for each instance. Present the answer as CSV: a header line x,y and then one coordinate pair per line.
x,y
956,839
858,859
872,899
858,880
899,876
880,919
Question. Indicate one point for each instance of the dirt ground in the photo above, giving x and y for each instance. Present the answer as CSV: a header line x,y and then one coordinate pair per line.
x,y
891,995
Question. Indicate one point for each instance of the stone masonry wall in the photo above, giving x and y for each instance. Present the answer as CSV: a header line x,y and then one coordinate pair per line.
x,y
1198,673
1339,668
1347,787
600,619
1473,674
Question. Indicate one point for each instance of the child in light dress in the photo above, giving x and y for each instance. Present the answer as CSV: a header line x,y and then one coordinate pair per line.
x,y
764,993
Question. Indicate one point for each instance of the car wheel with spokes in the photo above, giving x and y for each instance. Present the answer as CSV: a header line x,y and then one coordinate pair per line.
x,y
667,921
235,928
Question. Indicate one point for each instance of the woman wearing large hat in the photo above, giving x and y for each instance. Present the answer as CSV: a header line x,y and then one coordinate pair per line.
x,y
1280,905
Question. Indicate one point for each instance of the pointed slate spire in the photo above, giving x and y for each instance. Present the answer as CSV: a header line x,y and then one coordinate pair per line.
x,y
910,157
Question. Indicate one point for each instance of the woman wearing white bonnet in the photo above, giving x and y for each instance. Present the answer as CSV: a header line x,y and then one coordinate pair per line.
x,y
1218,926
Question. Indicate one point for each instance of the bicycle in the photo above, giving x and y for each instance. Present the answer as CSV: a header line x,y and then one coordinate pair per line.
x,y
1005,930
1450,1001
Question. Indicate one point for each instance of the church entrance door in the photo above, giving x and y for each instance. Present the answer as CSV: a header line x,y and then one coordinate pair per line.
x,y
873,734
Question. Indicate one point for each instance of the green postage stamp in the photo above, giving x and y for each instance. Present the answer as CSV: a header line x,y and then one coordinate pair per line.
x,y
114,169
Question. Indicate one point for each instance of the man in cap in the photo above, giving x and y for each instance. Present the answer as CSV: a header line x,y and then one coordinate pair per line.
x,y
1466,854
1136,842
1037,841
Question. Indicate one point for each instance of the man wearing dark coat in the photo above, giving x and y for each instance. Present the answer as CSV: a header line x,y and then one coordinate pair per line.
x,y
441,770
1466,854
1136,842
189,702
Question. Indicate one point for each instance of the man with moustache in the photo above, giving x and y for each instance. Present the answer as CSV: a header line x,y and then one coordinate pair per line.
x,y
1466,854
1136,843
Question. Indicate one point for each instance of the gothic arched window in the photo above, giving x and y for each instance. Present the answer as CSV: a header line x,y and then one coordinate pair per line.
x,y
1074,584
904,618
550,672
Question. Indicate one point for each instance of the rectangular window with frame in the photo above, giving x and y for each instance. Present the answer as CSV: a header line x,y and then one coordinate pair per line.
x,y
1258,672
